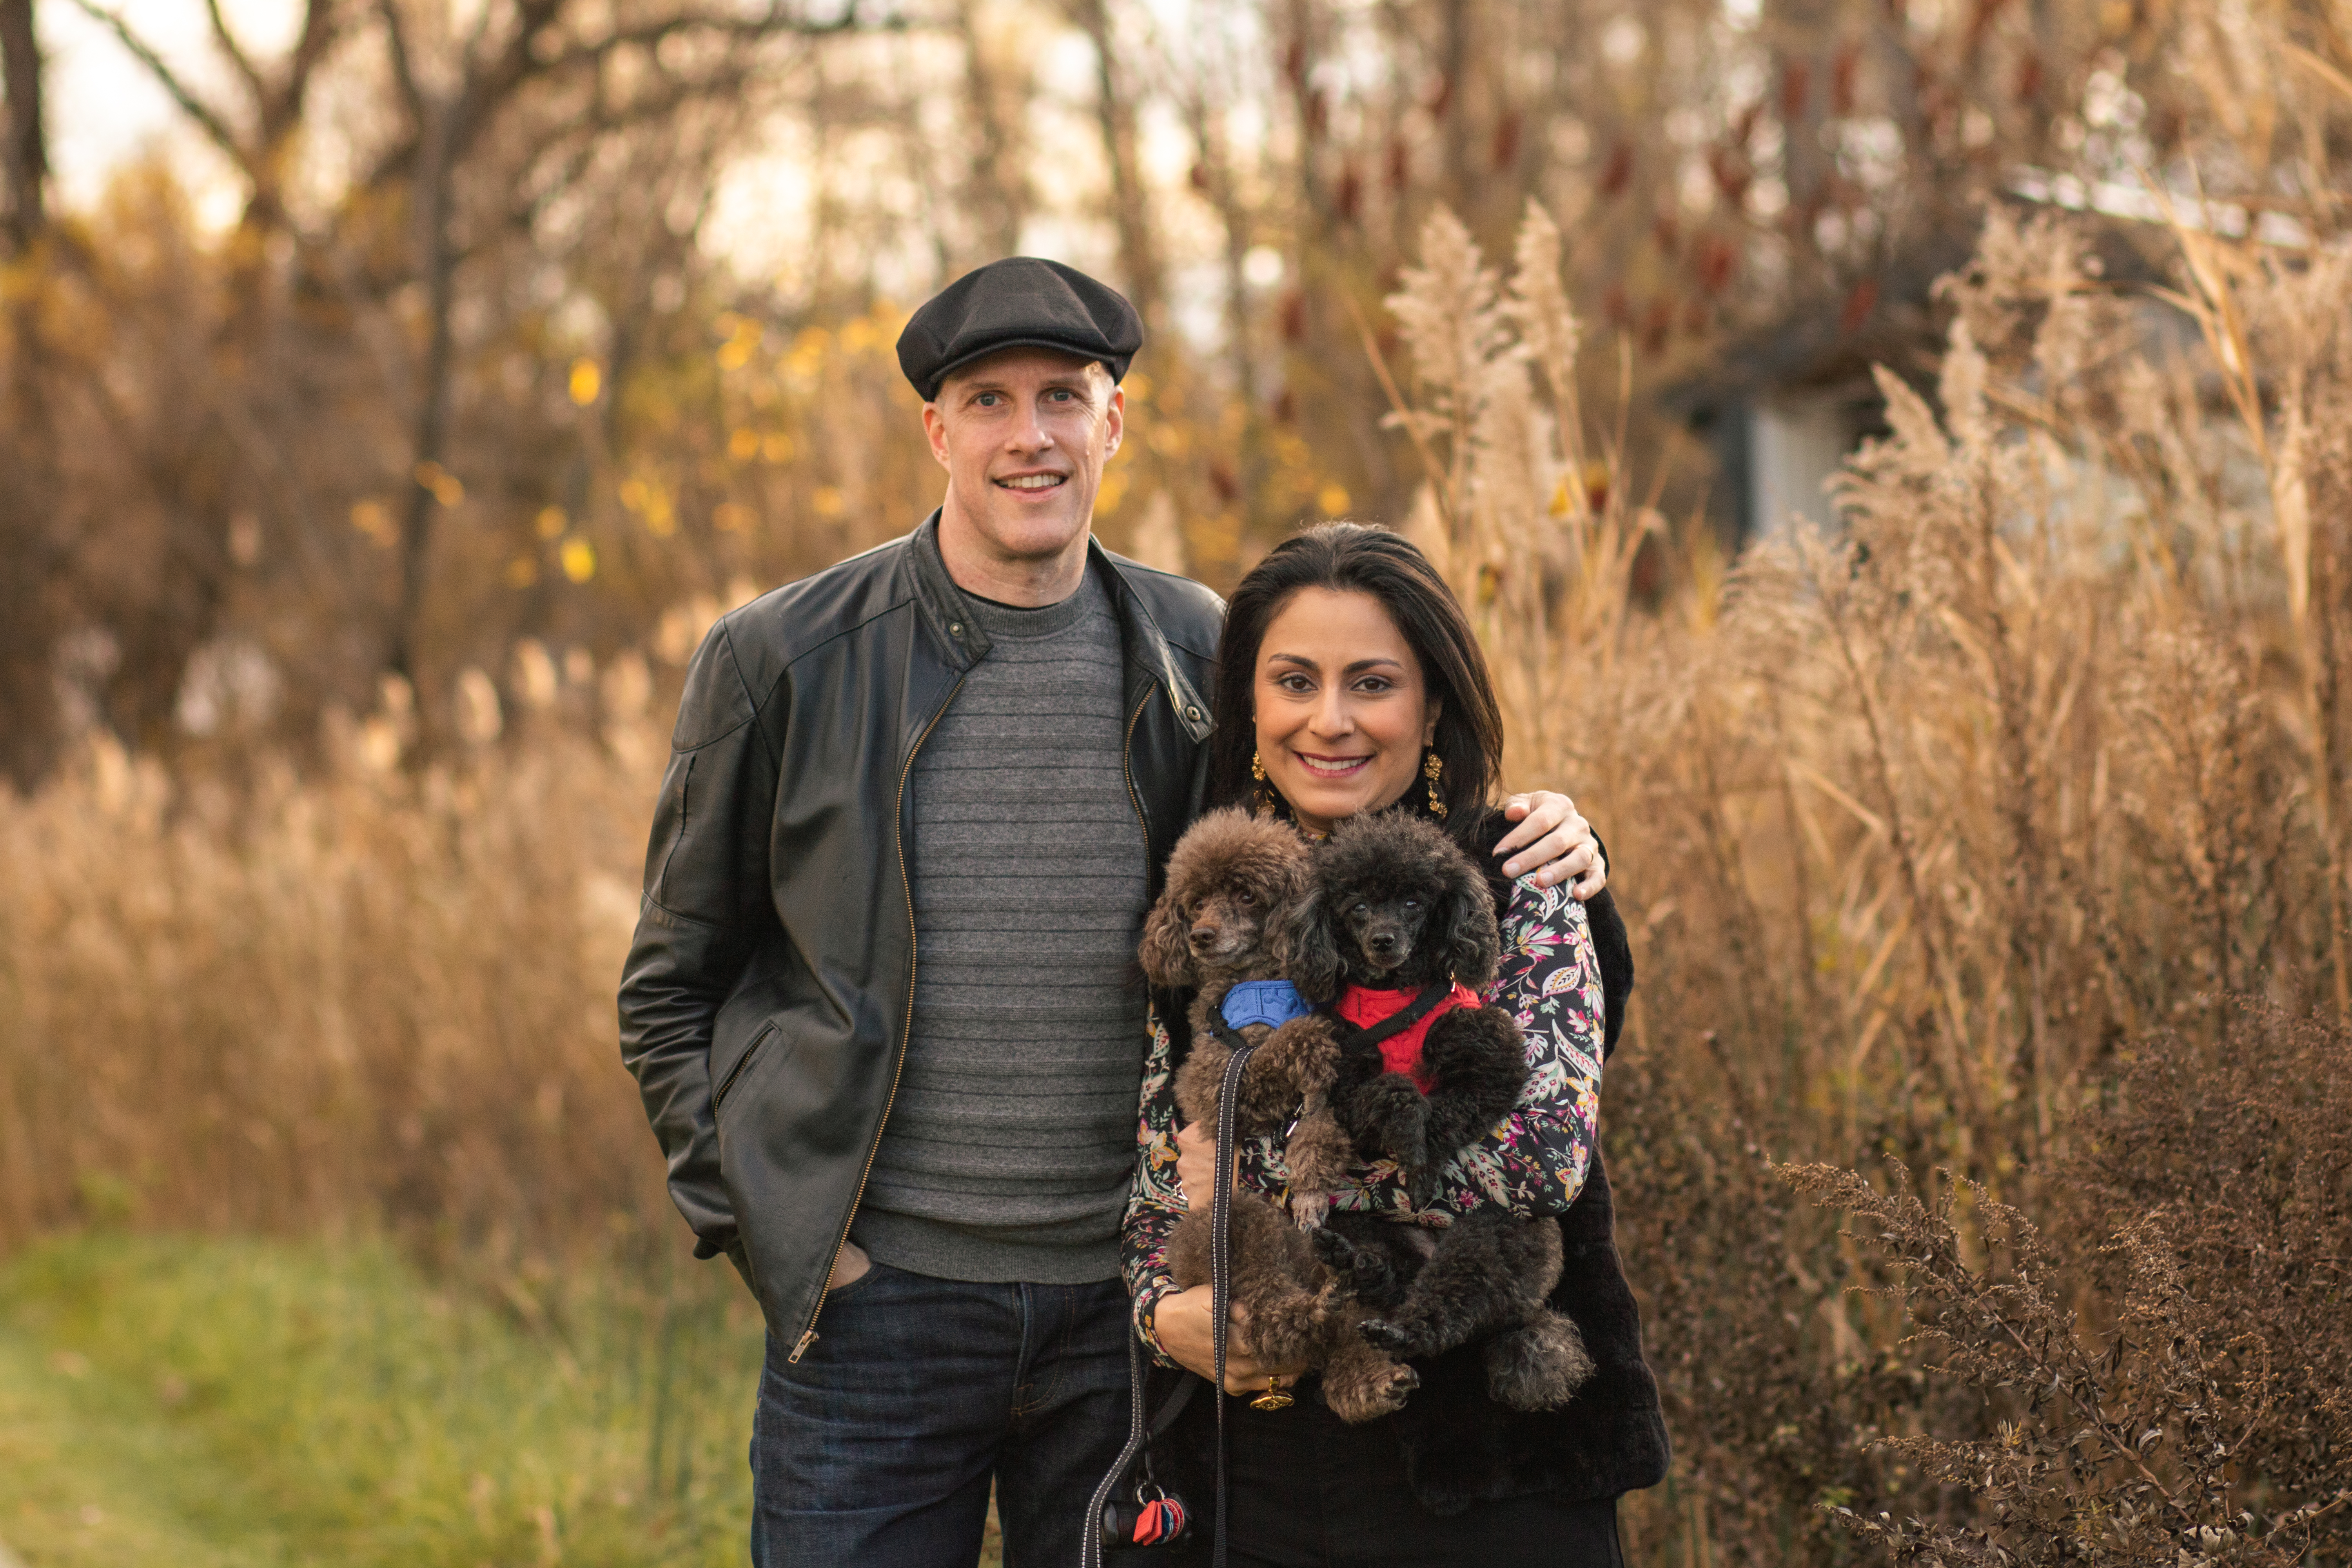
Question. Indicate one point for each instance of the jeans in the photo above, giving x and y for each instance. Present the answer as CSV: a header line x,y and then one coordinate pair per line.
x,y
878,1448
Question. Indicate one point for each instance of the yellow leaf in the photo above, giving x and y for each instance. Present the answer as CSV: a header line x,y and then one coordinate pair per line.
x,y
587,381
579,558
551,523
743,445
1332,497
373,518
446,486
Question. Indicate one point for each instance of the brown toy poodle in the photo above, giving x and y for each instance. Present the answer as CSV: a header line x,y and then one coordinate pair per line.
x,y
1233,880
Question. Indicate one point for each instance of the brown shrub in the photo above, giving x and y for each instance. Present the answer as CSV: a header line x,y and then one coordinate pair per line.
x,y
2203,1417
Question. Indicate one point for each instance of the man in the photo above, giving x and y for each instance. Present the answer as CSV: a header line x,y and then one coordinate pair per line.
x,y
879,1005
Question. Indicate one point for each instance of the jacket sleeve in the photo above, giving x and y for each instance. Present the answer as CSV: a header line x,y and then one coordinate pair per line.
x,y
705,908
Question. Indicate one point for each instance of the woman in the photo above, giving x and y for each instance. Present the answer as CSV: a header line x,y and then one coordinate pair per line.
x,y
1349,680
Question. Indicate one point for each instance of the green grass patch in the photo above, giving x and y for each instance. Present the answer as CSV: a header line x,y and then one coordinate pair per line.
x,y
243,1402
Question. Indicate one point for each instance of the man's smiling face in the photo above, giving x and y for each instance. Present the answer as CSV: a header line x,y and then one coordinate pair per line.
x,y
1024,435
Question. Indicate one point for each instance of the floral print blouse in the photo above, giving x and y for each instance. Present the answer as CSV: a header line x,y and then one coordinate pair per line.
x,y
1533,1162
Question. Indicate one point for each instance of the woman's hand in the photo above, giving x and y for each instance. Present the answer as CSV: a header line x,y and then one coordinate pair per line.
x,y
1196,1164
1182,1323
1554,841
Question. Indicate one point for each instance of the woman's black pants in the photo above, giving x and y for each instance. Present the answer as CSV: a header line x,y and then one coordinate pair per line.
x,y
1308,1490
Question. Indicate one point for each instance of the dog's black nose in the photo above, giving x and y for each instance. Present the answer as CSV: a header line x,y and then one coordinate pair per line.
x,y
1383,941
1203,935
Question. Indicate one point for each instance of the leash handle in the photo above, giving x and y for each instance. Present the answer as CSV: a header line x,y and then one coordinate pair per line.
x,y
1090,1549
1221,1267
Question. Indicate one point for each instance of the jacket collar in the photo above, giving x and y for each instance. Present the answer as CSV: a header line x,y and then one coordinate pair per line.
x,y
938,600
1149,657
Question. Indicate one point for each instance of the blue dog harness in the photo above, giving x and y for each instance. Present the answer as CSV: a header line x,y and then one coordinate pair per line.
x,y
1271,1002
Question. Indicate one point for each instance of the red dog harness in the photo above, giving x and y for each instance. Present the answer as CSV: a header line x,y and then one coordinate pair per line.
x,y
1369,1010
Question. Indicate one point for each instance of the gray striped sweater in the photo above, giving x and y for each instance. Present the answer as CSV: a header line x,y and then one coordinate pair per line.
x,y
1008,1149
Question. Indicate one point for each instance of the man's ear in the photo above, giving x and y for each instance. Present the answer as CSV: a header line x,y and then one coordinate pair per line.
x,y
1166,951
935,427
1114,421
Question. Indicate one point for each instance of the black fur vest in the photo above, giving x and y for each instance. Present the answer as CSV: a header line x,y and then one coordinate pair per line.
x,y
1460,1446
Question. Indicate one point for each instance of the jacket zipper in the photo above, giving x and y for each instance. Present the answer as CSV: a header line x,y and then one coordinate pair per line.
x,y
1127,767
718,1097
898,838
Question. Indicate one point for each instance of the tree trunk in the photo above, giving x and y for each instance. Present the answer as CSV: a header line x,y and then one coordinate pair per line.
x,y
1800,32
1130,210
999,178
26,151
437,266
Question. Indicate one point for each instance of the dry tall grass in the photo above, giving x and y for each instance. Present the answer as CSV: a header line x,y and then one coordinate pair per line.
x,y
1930,829
370,996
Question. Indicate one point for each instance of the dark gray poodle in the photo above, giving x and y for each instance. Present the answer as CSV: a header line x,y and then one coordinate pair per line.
x,y
1398,936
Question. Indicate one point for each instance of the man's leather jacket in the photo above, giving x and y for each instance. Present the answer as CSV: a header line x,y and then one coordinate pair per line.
x,y
764,1008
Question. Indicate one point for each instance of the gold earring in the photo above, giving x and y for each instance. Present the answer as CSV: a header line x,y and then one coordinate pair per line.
x,y
1430,770
1257,767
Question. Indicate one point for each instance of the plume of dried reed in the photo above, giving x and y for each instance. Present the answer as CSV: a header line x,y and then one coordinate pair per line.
x,y
1923,822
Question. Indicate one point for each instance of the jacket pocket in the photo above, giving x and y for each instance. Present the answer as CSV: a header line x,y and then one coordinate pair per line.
x,y
752,1053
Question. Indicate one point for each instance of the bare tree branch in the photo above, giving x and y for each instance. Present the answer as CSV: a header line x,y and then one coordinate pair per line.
x,y
403,69
320,32
234,51
196,108
731,27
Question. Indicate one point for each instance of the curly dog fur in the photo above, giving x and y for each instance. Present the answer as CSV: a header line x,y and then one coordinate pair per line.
x,y
1233,881
1396,905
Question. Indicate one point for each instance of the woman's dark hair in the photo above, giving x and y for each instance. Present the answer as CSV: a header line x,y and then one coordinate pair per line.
x,y
1354,558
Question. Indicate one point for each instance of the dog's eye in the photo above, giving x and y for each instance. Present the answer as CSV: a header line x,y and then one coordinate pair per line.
x,y
1360,909
1413,904
1247,898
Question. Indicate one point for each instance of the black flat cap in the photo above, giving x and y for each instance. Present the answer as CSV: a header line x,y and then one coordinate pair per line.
x,y
1020,302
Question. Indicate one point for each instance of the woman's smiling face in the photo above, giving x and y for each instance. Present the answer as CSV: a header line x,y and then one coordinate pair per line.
x,y
1343,713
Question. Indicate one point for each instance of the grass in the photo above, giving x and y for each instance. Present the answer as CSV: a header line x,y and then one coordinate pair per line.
x,y
239,1402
